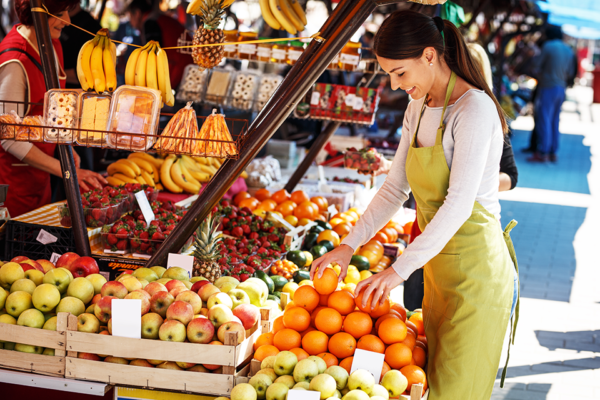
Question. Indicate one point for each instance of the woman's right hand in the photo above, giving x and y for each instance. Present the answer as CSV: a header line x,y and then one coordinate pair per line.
x,y
90,180
340,256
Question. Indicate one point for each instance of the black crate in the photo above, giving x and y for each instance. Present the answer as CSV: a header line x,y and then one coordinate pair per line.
x,y
21,240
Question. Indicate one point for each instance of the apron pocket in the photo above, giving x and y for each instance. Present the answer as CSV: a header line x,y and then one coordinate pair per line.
x,y
442,277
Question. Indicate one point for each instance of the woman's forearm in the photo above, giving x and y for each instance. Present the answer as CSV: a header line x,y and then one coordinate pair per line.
x,y
40,160
505,182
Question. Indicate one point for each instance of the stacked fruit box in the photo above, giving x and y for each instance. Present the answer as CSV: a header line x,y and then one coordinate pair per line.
x,y
42,351
232,356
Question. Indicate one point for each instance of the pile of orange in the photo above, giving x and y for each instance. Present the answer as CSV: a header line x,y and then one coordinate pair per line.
x,y
332,324
284,268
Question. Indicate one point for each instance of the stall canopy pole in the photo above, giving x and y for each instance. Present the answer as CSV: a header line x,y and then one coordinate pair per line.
x,y
67,162
335,33
321,140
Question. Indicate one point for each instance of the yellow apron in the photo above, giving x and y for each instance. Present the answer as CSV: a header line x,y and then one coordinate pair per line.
x,y
468,286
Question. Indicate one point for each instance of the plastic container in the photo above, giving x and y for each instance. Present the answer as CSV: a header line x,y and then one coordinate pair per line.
x,y
247,51
193,84
362,160
350,56
279,53
134,110
294,51
243,90
267,86
93,114
218,86
60,112
113,243
230,51
144,247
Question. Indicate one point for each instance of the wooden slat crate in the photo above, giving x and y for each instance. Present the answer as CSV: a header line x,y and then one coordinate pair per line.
x,y
35,363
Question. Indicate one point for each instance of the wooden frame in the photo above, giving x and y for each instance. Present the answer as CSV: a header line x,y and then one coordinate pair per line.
x,y
36,363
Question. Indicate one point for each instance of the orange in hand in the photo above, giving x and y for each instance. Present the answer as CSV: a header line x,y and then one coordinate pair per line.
x,y
378,311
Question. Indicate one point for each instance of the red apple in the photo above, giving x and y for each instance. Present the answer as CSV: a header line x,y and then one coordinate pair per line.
x,y
47,265
206,291
231,326
88,356
153,287
173,283
19,259
143,296
114,288
196,286
249,314
180,311
160,302
66,260
200,330
103,308
83,266
33,264
175,291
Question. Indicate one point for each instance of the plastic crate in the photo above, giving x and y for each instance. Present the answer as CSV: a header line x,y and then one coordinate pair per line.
x,y
21,240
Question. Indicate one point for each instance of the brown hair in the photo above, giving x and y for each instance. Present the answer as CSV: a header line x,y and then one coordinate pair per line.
x,y
406,34
23,8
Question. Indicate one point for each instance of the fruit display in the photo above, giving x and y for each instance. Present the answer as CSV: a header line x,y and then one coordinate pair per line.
x,y
211,14
148,66
284,14
96,64
363,160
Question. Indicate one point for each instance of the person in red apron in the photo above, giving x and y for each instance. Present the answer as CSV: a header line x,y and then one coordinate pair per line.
x,y
26,167
448,157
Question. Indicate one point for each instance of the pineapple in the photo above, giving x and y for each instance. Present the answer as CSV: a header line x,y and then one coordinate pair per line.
x,y
211,12
207,249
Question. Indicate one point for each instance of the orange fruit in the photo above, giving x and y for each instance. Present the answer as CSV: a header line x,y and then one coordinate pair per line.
x,y
397,355
323,299
342,345
371,343
346,363
286,209
300,353
278,324
320,217
412,327
381,237
310,329
329,321
414,374
342,301
336,221
371,256
287,339
358,324
314,314
399,309
384,370
417,319
262,194
410,341
265,338
267,205
419,357
321,202
329,359
349,289
265,351
306,297
408,227
305,210
315,342
296,318
280,196
392,330
342,229
250,202
239,197
378,311
383,318
299,197
327,283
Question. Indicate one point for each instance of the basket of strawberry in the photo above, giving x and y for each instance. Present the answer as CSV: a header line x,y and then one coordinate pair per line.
x,y
115,238
145,240
363,160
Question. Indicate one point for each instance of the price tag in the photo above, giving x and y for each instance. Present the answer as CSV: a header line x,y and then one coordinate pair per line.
x,y
303,395
182,261
54,258
371,361
145,206
46,238
358,103
126,318
314,98
350,100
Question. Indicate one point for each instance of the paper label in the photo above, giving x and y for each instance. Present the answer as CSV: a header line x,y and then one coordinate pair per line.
x,y
46,238
294,54
145,206
358,103
368,360
232,48
54,258
303,395
247,48
349,59
126,318
264,52
181,261
314,98
278,54
350,100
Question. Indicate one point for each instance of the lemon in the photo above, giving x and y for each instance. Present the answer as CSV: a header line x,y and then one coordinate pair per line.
x,y
293,221
290,288
309,258
352,268
352,277
305,282
337,269
364,275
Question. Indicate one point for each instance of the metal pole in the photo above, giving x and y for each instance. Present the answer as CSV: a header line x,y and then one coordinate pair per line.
x,y
65,152
335,33
312,154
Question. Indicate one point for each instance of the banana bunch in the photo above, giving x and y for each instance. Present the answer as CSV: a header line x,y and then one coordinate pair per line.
x,y
137,168
96,64
148,66
283,14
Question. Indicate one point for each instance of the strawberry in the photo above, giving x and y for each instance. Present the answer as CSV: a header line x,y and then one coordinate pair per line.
x,y
244,277
111,239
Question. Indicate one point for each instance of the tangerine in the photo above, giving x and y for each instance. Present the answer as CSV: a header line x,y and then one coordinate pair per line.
x,y
327,283
287,339
285,209
398,355
419,357
265,351
414,374
299,197
280,196
392,330
329,321
329,359
300,353
410,341
306,297
358,324
378,311
342,345
265,338
267,205
371,343
346,363
336,221
321,202
296,318
342,301
278,324
383,318
399,309
262,194
315,342
305,210
342,229
417,319
412,327
239,197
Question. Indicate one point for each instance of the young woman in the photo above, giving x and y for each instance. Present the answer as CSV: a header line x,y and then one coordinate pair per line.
x,y
449,156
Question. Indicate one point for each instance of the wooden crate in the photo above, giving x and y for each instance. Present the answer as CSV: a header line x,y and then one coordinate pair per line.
x,y
233,356
36,363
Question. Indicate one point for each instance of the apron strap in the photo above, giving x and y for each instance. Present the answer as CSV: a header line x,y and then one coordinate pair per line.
x,y
442,127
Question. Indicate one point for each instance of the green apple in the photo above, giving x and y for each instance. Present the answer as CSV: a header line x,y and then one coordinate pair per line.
x,y
10,273
32,318
198,278
176,273
159,271
277,391
361,379
301,385
339,374
219,298
285,362
243,391
8,319
3,295
268,362
270,372
71,305
50,325
88,323
226,283
394,382
25,348
260,283
23,285
321,364
356,395
220,314
45,297
305,370
257,293
337,395
17,302
238,297
34,275
261,383
287,380
145,273
82,289
380,391
68,272
324,384
48,352
97,281
58,277
143,282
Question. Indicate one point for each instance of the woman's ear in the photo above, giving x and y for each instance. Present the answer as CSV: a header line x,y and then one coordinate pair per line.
x,y
429,55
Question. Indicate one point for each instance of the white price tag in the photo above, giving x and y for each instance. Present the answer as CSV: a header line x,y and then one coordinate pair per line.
x,y
54,258
350,100
145,206
314,98
126,318
369,360
279,54
46,238
303,395
358,104
181,261
247,49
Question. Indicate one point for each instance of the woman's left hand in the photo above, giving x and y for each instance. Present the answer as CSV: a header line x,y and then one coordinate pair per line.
x,y
381,284
86,177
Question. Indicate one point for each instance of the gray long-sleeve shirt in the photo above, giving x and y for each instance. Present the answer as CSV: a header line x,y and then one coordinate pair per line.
x,y
555,64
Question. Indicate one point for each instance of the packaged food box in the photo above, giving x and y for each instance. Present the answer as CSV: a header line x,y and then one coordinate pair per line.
x,y
267,86
243,90
362,160
193,84
218,86
61,113
342,100
366,104
320,102
93,114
